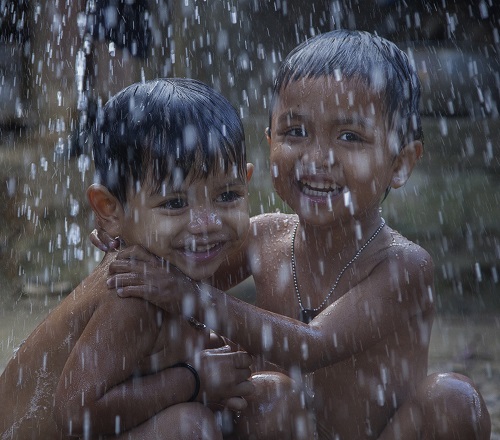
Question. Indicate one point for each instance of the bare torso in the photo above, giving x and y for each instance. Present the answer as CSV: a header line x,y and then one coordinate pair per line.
x,y
355,396
28,384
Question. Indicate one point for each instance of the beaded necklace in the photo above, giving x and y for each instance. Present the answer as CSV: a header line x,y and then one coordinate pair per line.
x,y
307,315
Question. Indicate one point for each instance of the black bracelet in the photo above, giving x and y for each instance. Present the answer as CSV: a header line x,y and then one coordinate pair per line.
x,y
196,378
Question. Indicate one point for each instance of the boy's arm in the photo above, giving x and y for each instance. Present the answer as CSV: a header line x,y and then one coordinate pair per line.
x,y
101,385
397,290
100,365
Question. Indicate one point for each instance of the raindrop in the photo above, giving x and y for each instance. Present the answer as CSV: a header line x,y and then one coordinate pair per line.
x,y
267,337
443,126
117,425
112,49
32,171
358,231
477,270
44,163
488,154
275,170
74,234
74,207
329,204
234,15
44,361
304,348
11,186
483,9
347,198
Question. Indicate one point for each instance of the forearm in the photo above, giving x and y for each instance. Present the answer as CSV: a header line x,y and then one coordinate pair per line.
x,y
130,403
279,339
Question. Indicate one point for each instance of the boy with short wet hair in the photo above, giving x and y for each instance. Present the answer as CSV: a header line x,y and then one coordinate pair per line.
x,y
171,177
344,304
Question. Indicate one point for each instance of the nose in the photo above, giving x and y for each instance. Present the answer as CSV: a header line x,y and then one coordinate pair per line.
x,y
319,156
204,221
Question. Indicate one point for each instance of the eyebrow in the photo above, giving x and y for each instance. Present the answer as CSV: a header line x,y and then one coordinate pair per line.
x,y
358,120
175,189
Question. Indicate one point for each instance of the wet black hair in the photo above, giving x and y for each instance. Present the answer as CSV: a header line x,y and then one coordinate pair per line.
x,y
359,55
164,131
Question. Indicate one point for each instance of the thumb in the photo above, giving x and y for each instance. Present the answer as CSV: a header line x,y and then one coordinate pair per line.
x,y
220,350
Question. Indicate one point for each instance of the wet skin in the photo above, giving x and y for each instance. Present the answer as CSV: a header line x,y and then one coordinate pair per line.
x,y
93,347
363,355
368,348
193,226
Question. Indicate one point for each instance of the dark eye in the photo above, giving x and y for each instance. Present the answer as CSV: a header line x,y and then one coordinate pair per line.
x,y
349,137
296,132
228,196
177,203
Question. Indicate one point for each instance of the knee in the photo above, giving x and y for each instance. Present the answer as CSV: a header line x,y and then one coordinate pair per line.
x,y
275,410
193,421
453,408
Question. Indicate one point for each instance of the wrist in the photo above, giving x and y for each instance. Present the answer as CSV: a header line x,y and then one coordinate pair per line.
x,y
197,382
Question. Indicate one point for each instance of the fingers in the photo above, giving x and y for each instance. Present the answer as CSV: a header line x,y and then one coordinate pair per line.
x,y
137,253
241,359
217,350
236,404
132,284
95,240
238,359
126,279
125,264
245,388
103,241
136,292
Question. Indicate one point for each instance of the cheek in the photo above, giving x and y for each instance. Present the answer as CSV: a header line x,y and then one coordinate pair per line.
x,y
242,224
368,167
364,168
284,167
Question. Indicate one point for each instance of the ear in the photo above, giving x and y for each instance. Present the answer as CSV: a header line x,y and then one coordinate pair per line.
x,y
108,210
250,169
404,163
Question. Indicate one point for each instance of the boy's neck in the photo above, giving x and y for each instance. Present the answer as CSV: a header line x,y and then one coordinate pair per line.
x,y
339,238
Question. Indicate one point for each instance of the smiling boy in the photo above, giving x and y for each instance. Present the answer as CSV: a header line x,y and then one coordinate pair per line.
x,y
171,177
344,304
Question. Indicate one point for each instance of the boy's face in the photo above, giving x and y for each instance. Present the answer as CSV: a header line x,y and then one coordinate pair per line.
x,y
329,149
194,226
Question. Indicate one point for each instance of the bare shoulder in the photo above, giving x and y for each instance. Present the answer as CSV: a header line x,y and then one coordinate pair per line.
x,y
407,265
273,224
412,257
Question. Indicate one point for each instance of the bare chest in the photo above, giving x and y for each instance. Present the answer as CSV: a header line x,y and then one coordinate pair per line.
x,y
178,341
286,288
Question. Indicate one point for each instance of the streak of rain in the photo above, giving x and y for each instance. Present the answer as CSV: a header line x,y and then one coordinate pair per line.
x,y
55,76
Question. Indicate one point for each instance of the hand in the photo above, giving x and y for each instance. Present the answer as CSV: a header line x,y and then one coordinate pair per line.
x,y
101,240
224,377
136,272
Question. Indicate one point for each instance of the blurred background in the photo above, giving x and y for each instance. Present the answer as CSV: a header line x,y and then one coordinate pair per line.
x,y
61,59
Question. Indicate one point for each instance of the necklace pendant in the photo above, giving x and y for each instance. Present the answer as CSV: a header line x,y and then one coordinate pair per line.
x,y
307,315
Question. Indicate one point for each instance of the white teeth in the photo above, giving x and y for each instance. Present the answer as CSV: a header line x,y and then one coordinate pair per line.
x,y
311,188
201,247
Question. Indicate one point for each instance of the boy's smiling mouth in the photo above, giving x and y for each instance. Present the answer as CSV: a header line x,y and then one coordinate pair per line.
x,y
314,188
201,250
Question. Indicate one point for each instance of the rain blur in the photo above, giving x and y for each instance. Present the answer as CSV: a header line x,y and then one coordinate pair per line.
x,y
57,68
